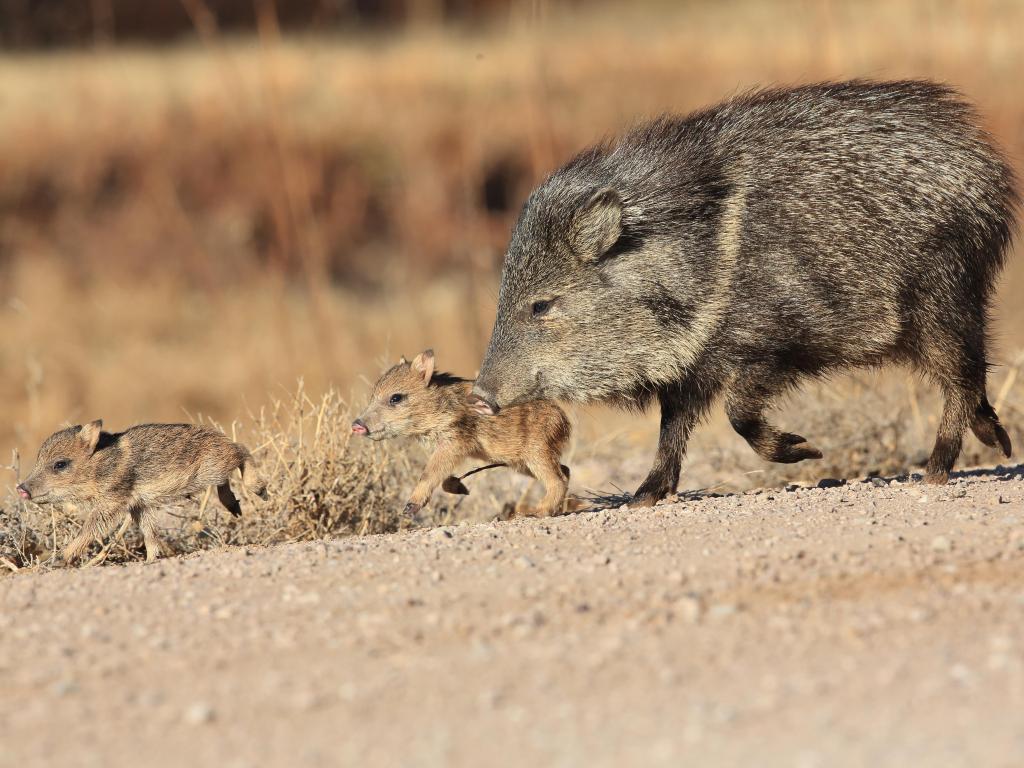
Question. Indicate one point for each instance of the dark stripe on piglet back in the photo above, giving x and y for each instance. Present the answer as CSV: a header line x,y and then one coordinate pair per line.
x,y
442,379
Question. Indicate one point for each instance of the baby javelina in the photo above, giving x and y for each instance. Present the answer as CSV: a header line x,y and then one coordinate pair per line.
x,y
120,476
410,399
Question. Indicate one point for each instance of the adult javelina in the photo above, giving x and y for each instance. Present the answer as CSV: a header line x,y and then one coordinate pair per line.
x,y
781,234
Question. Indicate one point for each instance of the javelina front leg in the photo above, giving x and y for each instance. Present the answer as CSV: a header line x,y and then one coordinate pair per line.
x,y
99,522
681,409
440,465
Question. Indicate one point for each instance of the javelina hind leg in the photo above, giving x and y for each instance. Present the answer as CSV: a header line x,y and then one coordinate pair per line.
x,y
987,428
227,498
960,368
144,519
745,407
556,486
681,408
254,483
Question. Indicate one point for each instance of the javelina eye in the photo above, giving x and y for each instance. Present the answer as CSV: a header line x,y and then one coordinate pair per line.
x,y
396,399
540,308
61,465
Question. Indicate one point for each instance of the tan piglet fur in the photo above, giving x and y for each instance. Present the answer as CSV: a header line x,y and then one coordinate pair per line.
x,y
121,476
411,399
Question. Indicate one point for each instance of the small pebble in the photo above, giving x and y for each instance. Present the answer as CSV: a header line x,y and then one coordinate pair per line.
x,y
722,610
690,608
65,687
941,544
200,713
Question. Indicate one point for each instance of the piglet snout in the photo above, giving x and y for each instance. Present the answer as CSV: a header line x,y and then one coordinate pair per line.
x,y
359,428
24,492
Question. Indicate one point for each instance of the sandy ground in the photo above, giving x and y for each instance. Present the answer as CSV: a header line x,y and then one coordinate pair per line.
x,y
869,624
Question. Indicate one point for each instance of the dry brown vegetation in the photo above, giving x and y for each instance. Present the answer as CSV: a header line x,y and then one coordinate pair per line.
x,y
317,488
185,230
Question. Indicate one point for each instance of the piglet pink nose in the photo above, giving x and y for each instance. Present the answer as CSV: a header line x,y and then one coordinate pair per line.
x,y
359,428
24,492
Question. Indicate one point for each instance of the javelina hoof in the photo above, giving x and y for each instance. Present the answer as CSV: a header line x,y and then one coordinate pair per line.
x,y
412,508
793,448
452,484
936,478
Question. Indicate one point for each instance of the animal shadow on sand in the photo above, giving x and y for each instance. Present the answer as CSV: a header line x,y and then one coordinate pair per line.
x,y
600,501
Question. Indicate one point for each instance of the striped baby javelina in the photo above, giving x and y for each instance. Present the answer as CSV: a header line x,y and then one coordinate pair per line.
x,y
120,476
412,399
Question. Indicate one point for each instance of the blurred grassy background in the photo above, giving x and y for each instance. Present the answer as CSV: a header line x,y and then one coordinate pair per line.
x,y
189,224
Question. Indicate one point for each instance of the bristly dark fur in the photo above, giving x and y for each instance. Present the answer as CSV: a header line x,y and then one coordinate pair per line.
x,y
442,379
785,233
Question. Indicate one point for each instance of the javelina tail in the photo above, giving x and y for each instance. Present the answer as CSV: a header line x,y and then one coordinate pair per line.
x,y
987,428
247,466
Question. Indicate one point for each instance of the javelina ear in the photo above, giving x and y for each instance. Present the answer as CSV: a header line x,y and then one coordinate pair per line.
x,y
424,363
402,360
596,225
90,434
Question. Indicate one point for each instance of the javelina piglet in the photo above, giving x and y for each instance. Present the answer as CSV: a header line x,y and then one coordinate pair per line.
x,y
735,252
411,399
121,475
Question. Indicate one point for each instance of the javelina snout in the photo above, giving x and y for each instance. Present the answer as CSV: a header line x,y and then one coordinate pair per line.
x,y
782,235
482,402
24,492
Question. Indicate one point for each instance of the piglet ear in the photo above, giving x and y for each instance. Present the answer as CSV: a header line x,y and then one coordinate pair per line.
x,y
597,225
402,360
423,363
90,434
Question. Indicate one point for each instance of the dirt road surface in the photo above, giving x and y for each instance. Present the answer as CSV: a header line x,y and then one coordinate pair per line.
x,y
869,624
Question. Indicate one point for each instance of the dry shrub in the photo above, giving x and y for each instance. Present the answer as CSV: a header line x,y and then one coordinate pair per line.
x,y
322,485
318,485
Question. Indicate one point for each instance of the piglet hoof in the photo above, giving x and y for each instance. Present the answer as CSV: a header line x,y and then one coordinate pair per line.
x,y
56,560
412,508
452,484
644,498
526,511
574,504
937,478
508,511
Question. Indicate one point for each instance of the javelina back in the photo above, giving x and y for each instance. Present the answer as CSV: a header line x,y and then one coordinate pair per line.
x,y
411,399
121,475
779,235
